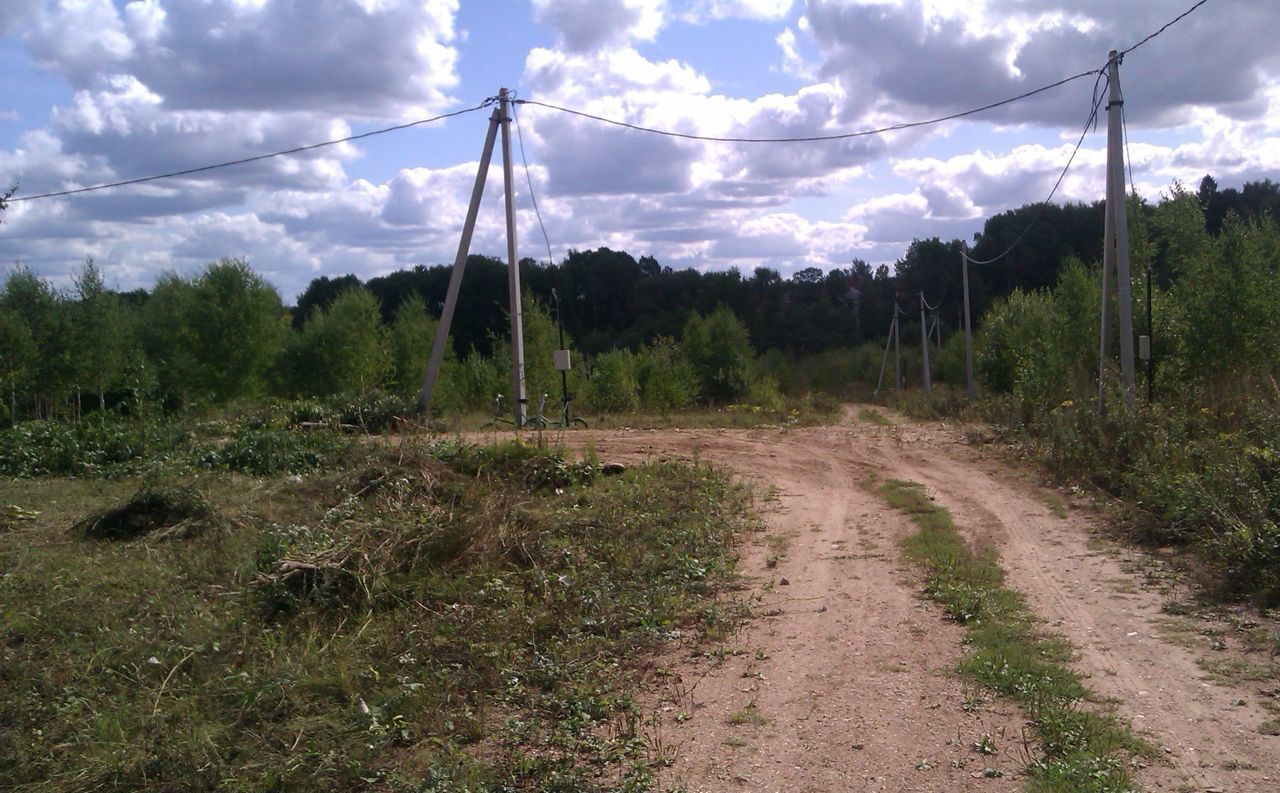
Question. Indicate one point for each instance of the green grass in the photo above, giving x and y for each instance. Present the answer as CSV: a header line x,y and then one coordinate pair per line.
x,y
427,617
749,715
1083,751
875,417
808,411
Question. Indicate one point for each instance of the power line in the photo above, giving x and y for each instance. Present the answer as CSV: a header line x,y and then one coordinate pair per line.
x,y
1165,27
245,160
529,181
812,138
1091,121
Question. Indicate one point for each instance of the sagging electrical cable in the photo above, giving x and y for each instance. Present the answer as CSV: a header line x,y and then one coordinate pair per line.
x,y
529,180
811,138
1090,122
243,161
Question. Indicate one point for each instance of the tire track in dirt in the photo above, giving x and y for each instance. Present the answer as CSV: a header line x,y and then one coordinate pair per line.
x,y
848,672
1112,621
843,680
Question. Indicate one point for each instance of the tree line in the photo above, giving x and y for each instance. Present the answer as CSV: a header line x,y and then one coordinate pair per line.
x,y
225,333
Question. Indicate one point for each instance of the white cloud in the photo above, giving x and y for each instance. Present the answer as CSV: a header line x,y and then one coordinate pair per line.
x,y
373,60
767,10
793,63
164,85
588,25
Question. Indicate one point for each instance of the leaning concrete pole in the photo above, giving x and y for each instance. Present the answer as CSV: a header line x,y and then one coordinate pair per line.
x,y
459,266
517,324
924,349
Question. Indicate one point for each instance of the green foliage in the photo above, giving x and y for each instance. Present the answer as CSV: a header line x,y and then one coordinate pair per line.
x,y
409,339
17,359
667,380
1201,463
719,349
613,387
237,323
168,338
1225,330
33,304
104,335
266,452
98,446
340,350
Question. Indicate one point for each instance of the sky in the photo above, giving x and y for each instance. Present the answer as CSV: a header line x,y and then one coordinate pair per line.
x,y
96,91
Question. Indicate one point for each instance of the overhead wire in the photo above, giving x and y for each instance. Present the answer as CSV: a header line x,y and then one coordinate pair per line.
x,y
670,133
810,138
257,158
529,180
1163,28
1090,122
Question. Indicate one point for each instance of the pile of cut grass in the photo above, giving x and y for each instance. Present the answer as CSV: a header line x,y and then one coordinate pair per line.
x,y
442,617
1084,750
167,511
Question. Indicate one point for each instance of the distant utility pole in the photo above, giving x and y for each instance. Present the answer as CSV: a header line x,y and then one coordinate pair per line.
x,y
501,118
888,342
924,348
1115,248
968,332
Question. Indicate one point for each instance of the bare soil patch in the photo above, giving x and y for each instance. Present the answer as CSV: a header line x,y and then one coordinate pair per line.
x,y
843,680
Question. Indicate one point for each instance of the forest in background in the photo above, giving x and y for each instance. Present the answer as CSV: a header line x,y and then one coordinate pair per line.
x,y
97,381
225,334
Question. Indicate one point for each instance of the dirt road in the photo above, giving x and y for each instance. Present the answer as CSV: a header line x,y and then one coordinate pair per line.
x,y
844,680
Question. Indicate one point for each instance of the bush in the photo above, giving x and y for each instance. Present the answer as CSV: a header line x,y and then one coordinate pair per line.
x,y
267,452
99,446
613,387
667,380
720,351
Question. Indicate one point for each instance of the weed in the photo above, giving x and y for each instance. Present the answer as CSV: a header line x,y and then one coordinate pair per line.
x,y
875,417
749,715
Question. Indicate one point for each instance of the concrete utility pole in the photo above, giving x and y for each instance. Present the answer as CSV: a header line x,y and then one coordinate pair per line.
x,y
968,332
1115,247
501,118
888,341
897,349
459,266
924,348
521,399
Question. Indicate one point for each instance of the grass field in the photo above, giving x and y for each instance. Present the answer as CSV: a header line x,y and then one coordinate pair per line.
x,y
424,616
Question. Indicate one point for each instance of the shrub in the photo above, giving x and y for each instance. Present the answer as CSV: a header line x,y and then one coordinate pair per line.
x,y
613,387
667,380
720,351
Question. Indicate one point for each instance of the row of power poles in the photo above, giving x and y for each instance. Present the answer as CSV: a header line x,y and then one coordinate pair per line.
x,y
1115,268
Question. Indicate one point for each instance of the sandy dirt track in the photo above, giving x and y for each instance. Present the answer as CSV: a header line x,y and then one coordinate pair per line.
x,y
844,679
